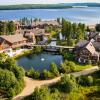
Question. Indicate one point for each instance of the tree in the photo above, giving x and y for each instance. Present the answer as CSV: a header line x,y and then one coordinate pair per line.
x,y
71,31
11,76
36,75
75,96
3,58
97,27
68,83
7,81
54,69
30,73
74,26
41,94
80,35
68,66
55,95
47,74
70,41
11,93
3,28
19,72
88,29
11,27
89,61
63,27
90,80
7,28
58,20
82,27
99,64
85,81
35,20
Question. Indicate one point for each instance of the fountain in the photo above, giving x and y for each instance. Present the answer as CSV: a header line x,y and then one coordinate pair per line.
x,y
42,59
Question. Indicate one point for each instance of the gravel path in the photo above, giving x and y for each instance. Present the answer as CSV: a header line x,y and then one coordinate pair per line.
x,y
31,84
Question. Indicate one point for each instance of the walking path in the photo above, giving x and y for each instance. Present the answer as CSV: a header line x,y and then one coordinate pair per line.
x,y
32,84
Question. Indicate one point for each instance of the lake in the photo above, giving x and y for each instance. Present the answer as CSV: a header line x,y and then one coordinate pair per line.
x,y
89,15
39,62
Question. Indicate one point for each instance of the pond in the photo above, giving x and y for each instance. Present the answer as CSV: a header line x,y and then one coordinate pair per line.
x,y
40,62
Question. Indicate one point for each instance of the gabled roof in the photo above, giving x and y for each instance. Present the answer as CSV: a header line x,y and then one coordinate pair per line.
x,y
90,48
82,43
13,38
38,31
97,45
94,35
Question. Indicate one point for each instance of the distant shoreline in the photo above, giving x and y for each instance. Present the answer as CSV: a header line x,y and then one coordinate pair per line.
x,y
48,6
39,8
34,6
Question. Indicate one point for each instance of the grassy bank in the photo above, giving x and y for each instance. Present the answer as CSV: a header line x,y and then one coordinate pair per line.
x,y
24,53
35,50
83,67
71,57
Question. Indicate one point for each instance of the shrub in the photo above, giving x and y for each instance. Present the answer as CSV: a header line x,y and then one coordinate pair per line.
x,y
11,76
30,73
47,74
37,50
10,93
19,72
97,27
7,82
68,83
75,96
41,94
89,62
37,75
85,81
68,66
55,95
90,80
44,93
54,69
33,74
69,56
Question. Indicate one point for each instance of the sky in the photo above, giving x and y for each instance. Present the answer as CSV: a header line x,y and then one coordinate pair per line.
x,y
10,2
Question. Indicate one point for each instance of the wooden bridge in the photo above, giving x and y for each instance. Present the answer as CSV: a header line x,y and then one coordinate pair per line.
x,y
52,46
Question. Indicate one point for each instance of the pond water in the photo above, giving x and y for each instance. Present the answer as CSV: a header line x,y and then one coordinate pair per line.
x,y
39,62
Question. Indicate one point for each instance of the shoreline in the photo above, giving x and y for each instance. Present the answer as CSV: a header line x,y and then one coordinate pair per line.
x,y
92,25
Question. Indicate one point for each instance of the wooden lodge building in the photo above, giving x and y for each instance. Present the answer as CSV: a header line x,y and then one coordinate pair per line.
x,y
40,34
86,50
22,37
16,41
39,24
43,24
89,49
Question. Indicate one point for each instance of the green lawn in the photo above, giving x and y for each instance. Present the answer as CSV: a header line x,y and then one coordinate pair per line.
x,y
82,67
